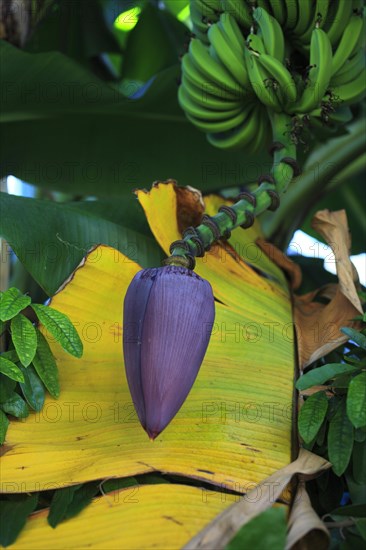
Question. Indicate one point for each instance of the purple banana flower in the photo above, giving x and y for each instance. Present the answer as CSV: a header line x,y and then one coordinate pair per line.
x,y
168,317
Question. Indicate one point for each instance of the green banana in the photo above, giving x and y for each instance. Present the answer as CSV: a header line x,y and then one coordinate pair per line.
x,y
271,33
263,131
207,85
353,91
239,10
319,74
255,43
292,13
337,20
342,114
201,111
278,72
347,43
214,127
201,95
318,17
210,69
304,19
229,57
234,35
350,70
278,10
239,137
261,81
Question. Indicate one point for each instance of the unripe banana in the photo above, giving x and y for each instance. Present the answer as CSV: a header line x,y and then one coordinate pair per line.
x,y
337,20
353,91
292,13
319,74
347,43
350,70
271,33
209,97
214,127
261,81
318,17
277,71
227,54
278,10
304,20
232,31
211,70
202,111
241,136
240,10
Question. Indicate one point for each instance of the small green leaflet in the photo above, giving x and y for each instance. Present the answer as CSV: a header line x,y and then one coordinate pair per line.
x,y
60,326
268,530
45,365
359,463
322,374
69,501
340,440
24,338
33,389
312,415
12,302
4,423
7,386
356,400
356,336
13,515
10,369
16,406
353,510
60,501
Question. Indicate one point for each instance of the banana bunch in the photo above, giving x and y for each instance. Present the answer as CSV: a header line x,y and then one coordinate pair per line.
x,y
253,57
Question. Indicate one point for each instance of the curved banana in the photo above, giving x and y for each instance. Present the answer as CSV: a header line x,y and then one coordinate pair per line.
x,y
319,74
292,13
278,72
318,17
278,10
229,57
338,16
201,111
304,20
347,43
263,131
261,81
353,91
231,28
214,127
271,33
254,42
210,69
240,136
202,95
350,70
240,10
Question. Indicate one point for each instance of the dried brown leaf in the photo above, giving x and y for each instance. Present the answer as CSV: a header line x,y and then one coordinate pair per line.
x,y
318,324
306,530
223,528
292,270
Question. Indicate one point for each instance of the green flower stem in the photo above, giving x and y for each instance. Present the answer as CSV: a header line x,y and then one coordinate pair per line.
x,y
323,172
282,173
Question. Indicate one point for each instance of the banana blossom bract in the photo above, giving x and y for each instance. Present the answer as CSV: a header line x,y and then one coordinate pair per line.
x,y
168,318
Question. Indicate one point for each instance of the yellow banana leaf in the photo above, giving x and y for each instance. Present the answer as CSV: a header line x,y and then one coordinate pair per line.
x,y
128,519
234,429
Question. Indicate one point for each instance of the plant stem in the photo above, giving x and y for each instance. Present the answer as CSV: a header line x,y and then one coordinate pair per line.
x,y
197,240
324,172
